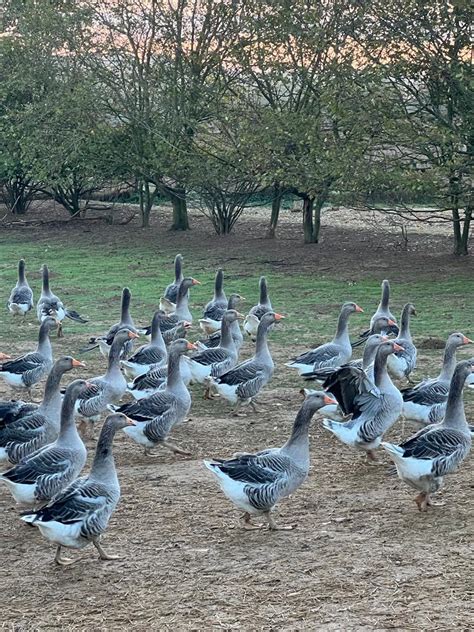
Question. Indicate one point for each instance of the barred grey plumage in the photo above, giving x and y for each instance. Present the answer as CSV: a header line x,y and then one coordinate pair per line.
x,y
256,482
21,297
171,291
52,467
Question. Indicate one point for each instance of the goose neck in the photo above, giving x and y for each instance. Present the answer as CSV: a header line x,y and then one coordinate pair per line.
x,y
455,416
405,324
103,466
385,298
297,446
449,362
45,278
174,374
263,300
44,343
21,273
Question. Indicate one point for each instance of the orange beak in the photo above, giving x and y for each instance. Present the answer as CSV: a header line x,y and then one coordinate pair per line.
x,y
329,400
359,309
278,316
130,422
240,316
391,322
88,384
4,356
191,347
466,341
77,363
397,347
186,325
385,338
132,334
196,282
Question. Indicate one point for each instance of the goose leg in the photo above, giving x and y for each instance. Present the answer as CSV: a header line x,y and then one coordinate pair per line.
x,y
274,527
422,501
174,448
60,331
249,525
102,554
148,452
372,458
253,406
235,412
62,561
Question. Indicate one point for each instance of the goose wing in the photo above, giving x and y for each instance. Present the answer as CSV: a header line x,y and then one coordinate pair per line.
x,y
431,443
210,356
427,393
347,384
243,372
43,465
23,364
328,354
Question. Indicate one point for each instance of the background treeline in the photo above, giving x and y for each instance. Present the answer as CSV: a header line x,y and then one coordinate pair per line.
x,y
367,103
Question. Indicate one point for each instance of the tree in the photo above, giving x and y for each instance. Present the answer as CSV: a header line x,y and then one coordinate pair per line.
x,y
422,52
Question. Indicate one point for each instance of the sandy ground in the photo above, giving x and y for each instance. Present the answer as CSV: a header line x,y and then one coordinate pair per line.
x,y
361,557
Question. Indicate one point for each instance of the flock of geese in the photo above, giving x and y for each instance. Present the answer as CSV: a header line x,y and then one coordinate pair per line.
x,y
43,443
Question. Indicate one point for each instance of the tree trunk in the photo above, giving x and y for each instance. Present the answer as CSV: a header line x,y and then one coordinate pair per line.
x,y
308,225
180,209
146,198
461,229
276,205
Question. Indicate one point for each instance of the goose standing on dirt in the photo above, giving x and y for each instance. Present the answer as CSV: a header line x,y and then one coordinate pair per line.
x,y
216,361
214,310
242,384
332,354
80,513
152,355
263,306
44,473
383,310
158,414
423,460
375,408
21,297
402,363
104,343
25,371
108,388
425,403
50,305
171,291
214,340
20,439
255,483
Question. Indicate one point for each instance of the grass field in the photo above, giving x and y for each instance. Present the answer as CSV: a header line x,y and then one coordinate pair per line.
x,y
361,557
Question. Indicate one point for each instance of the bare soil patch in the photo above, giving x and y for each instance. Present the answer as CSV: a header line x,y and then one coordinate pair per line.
x,y
361,556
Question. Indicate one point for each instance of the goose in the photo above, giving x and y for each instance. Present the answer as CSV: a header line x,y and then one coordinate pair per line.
x,y
180,330
155,380
402,363
80,513
20,439
50,305
45,472
242,384
152,355
21,296
375,405
214,340
255,483
425,402
325,375
104,343
331,354
108,388
25,371
365,363
157,415
171,291
263,306
182,307
214,310
437,450
216,361
383,310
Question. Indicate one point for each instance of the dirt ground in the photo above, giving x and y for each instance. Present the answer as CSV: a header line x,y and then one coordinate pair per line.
x,y
361,557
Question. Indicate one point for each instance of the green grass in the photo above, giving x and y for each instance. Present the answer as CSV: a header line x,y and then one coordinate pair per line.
x,y
90,280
